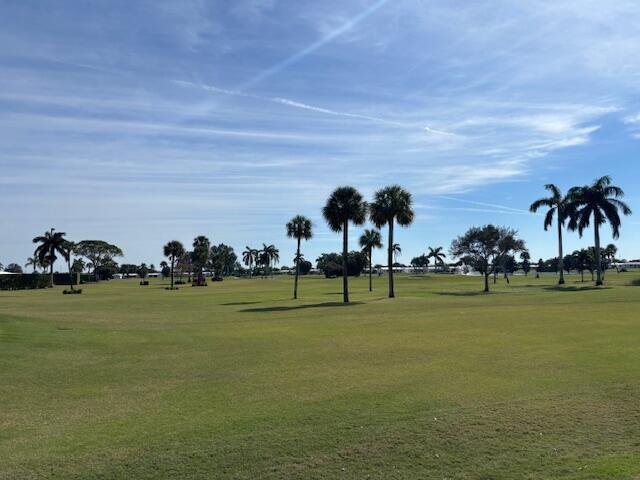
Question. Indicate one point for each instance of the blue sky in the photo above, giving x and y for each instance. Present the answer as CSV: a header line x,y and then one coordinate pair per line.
x,y
141,122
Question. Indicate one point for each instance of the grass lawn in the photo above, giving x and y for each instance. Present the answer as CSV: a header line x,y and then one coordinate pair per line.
x,y
238,381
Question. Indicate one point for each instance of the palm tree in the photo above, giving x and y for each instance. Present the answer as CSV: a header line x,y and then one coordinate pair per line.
x,y
248,257
78,266
369,240
438,256
525,256
397,251
345,205
600,200
173,249
391,205
610,254
50,243
68,251
299,228
32,262
558,205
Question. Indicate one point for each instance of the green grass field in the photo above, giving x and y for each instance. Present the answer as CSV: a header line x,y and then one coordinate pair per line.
x,y
238,381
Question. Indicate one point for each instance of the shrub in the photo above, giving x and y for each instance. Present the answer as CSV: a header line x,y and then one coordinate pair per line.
x,y
635,282
199,284
179,282
169,288
24,281
75,291
144,283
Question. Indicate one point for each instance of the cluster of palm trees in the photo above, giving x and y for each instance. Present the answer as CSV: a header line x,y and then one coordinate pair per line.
x,y
597,204
267,257
390,206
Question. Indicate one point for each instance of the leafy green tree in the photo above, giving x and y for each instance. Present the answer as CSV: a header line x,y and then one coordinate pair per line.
x,y
173,250
391,205
13,268
331,264
345,205
369,240
98,252
599,202
438,256
143,271
222,260
49,244
299,228
557,205
481,247
421,262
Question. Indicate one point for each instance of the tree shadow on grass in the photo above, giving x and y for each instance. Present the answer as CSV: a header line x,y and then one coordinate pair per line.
x,y
572,288
299,307
238,303
467,294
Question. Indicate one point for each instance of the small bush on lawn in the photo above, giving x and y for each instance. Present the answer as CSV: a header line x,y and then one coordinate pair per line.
x,y
179,282
635,282
75,291
169,288
144,283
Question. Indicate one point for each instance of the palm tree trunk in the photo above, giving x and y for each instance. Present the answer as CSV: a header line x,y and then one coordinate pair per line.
x,y
172,262
370,284
486,282
596,229
561,257
70,274
295,284
390,259
345,253
51,273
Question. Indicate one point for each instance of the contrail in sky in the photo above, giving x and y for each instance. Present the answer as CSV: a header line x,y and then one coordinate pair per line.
x,y
278,67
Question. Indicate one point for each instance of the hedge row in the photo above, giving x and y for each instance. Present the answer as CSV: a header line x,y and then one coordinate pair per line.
x,y
24,281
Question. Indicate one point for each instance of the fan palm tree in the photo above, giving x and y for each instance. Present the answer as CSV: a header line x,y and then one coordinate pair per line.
x,y
391,205
438,256
299,228
32,262
50,243
269,256
369,240
558,206
173,250
345,205
610,252
601,202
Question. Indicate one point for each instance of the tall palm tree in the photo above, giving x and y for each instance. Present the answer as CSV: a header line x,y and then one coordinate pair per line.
x,y
397,251
558,206
600,201
345,205
391,205
50,243
438,256
32,262
525,256
173,250
68,251
369,240
299,228
248,257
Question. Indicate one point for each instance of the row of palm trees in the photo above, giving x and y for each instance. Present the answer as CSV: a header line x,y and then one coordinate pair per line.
x,y
268,257
598,203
